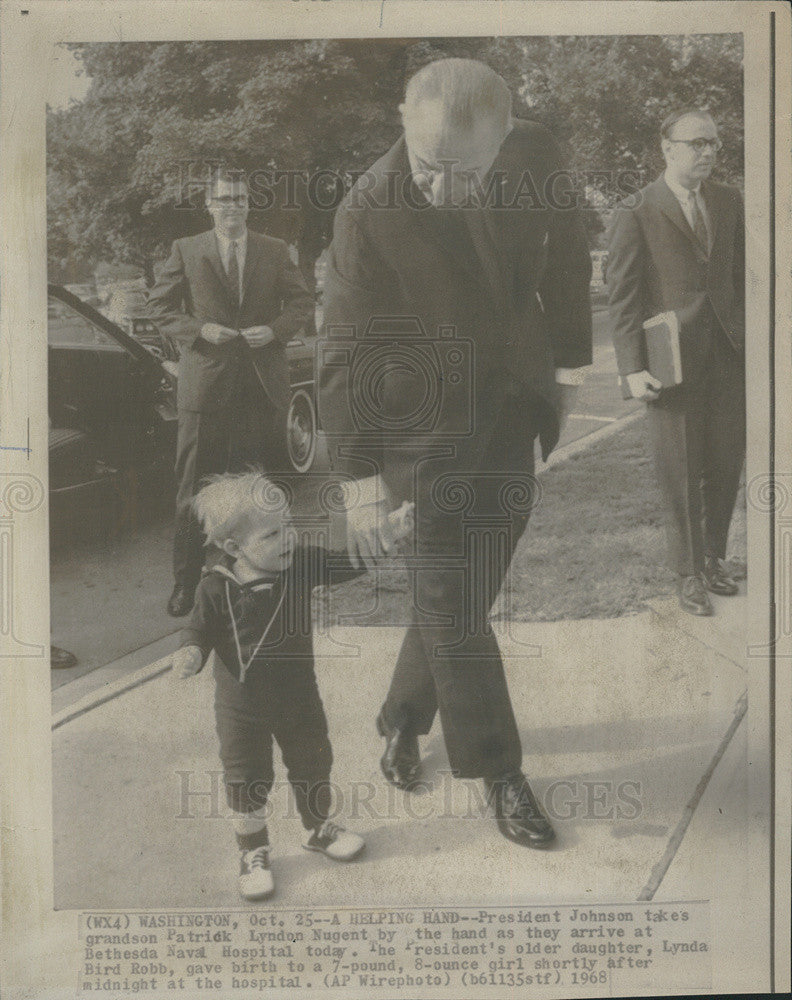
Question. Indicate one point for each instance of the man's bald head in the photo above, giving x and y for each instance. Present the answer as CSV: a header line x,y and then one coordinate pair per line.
x,y
456,114
469,93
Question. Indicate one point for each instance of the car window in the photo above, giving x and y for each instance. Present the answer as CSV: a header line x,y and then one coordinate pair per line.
x,y
67,328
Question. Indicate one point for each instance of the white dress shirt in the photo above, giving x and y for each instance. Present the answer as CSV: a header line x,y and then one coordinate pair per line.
x,y
682,195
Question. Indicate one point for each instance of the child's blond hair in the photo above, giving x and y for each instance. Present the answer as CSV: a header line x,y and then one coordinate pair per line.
x,y
230,504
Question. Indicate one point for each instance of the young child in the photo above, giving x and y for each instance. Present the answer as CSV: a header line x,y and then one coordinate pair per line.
x,y
254,610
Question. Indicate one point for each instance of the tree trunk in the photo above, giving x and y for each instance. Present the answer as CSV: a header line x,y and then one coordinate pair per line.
x,y
148,271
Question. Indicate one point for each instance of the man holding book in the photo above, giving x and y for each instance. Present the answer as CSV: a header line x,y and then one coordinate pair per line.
x,y
676,285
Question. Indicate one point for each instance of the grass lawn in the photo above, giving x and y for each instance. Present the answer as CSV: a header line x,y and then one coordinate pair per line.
x,y
594,547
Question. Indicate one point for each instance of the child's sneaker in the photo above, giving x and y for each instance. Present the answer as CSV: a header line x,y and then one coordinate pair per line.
x,y
255,877
334,841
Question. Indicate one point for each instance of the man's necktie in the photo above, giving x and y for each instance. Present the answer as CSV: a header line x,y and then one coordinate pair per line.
x,y
699,226
233,272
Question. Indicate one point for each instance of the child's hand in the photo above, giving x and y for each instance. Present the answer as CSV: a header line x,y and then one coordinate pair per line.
x,y
187,661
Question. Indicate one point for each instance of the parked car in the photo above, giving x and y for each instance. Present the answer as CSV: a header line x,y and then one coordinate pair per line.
x,y
85,291
112,399
112,403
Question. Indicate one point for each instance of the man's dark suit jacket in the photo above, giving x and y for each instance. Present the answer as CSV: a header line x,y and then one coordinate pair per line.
x,y
518,288
655,264
192,289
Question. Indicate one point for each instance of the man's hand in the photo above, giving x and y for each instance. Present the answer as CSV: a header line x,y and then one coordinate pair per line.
x,y
258,336
187,662
369,534
214,333
642,385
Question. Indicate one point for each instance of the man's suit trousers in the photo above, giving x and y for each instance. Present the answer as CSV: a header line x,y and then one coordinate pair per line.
x,y
471,511
697,433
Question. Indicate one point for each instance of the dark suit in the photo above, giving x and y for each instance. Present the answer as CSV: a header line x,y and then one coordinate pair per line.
x,y
511,287
656,264
232,400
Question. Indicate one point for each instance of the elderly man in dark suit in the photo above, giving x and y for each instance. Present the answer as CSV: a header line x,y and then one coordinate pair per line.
x,y
681,247
233,299
456,300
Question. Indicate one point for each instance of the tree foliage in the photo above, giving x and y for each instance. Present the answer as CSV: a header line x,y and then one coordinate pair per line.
x,y
606,96
124,162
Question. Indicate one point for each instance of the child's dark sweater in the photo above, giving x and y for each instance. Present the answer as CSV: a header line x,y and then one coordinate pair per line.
x,y
267,619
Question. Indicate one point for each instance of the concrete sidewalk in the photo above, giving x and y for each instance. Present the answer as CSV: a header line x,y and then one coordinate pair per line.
x,y
620,719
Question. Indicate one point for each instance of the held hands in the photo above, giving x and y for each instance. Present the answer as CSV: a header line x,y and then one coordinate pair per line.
x,y
371,531
369,534
258,336
214,333
187,662
644,386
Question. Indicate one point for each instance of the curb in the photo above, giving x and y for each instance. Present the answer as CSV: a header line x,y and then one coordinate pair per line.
x,y
111,691
161,666
661,868
585,442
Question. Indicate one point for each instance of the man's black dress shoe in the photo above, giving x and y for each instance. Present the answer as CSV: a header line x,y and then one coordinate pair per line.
x,y
401,762
181,601
718,579
61,659
518,814
693,596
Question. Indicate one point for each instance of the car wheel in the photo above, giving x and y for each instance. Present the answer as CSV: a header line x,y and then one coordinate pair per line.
x,y
301,431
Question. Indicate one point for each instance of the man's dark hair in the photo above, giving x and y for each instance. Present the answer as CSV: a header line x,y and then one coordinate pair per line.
x,y
670,120
231,175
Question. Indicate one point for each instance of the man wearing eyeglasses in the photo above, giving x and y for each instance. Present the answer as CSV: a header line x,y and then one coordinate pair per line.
x,y
233,299
681,247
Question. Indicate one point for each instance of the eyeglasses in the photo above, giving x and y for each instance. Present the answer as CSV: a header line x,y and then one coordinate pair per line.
x,y
226,200
699,145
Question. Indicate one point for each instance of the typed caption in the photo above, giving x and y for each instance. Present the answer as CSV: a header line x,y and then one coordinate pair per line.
x,y
597,949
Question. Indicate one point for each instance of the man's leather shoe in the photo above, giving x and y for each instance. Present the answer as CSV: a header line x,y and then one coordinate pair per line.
x,y
401,762
181,601
61,659
518,814
693,596
718,579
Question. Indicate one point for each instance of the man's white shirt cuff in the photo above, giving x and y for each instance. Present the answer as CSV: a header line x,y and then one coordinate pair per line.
x,y
571,376
363,492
